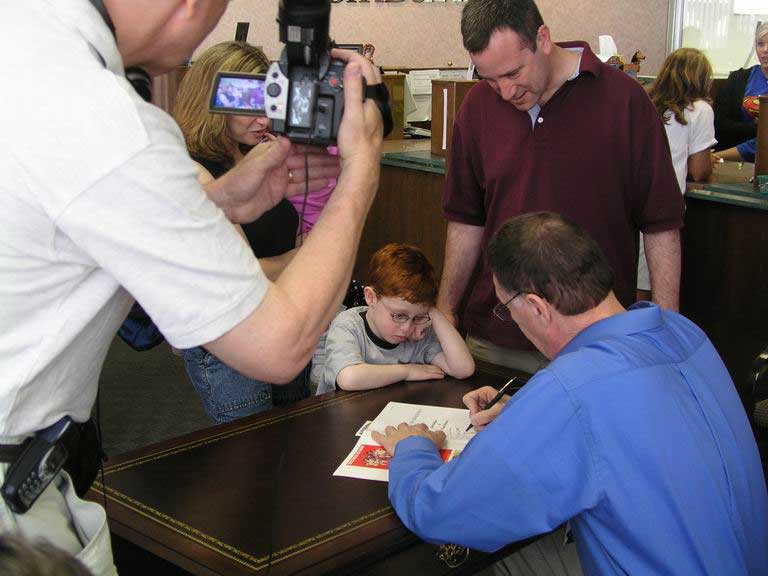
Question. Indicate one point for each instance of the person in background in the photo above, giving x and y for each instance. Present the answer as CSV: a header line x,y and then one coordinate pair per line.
x,y
216,142
680,94
309,206
399,335
634,432
550,127
735,109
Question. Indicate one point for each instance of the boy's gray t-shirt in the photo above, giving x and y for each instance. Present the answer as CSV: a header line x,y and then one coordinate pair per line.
x,y
347,344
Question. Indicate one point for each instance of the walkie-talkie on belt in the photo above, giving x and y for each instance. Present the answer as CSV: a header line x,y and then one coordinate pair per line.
x,y
38,464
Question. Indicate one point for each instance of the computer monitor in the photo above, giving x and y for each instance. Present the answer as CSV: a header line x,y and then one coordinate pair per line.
x,y
409,102
354,47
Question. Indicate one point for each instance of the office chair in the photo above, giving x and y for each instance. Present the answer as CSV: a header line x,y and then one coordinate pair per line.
x,y
355,295
758,415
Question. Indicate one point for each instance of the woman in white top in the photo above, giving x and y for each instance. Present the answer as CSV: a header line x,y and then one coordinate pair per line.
x,y
681,95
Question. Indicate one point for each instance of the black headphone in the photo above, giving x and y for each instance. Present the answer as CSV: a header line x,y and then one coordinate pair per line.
x,y
102,10
138,77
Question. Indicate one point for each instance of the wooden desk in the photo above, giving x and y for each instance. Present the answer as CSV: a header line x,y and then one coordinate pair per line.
x,y
217,501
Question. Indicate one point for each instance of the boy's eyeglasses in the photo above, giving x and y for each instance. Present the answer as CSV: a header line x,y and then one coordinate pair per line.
x,y
399,318
403,318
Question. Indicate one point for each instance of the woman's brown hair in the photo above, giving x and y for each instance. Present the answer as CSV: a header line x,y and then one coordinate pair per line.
x,y
205,133
685,76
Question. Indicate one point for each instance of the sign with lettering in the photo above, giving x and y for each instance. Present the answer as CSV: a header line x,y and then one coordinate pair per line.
x,y
397,1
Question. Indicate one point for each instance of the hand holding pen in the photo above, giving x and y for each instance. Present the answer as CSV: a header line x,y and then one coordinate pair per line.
x,y
478,401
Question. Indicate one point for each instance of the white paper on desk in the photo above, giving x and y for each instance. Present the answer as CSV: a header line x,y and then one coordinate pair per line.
x,y
363,428
452,421
420,81
369,461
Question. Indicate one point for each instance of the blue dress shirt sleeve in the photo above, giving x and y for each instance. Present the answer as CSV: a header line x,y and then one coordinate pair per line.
x,y
748,150
528,472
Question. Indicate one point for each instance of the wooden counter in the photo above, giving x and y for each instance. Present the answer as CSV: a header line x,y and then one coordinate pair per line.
x,y
724,287
730,185
408,206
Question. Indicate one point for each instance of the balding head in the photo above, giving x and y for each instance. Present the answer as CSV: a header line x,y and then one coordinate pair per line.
x,y
159,35
552,278
543,253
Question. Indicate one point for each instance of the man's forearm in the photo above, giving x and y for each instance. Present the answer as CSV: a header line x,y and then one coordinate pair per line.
x,y
328,254
273,266
299,306
662,250
462,250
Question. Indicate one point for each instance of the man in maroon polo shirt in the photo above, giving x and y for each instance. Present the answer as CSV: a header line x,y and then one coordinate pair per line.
x,y
552,128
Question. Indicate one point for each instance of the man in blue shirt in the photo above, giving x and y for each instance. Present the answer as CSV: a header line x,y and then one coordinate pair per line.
x,y
634,432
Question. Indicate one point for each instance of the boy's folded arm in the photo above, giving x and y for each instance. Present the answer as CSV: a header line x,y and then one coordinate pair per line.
x,y
368,376
455,359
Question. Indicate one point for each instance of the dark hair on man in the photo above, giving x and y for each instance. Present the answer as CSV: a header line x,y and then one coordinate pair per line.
x,y
542,253
403,271
20,557
481,18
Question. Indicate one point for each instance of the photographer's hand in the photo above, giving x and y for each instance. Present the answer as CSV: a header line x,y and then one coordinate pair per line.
x,y
268,173
360,133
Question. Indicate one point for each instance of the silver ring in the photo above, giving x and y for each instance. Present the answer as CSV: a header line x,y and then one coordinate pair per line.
x,y
290,176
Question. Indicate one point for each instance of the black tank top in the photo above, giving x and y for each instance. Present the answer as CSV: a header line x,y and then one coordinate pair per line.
x,y
272,234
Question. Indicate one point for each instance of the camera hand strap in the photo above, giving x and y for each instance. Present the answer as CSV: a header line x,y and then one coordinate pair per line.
x,y
379,94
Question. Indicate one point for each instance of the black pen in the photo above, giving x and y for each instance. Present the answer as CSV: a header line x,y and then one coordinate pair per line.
x,y
495,398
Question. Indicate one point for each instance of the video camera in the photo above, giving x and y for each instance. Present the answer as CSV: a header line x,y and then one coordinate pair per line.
x,y
303,93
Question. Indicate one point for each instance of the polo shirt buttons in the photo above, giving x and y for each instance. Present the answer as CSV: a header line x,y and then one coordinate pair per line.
x,y
540,120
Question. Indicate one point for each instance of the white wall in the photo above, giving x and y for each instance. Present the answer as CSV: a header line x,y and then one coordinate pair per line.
x,y
423,35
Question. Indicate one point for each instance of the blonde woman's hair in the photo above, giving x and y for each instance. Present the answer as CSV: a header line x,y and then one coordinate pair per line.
x,y
205,133
685,76
761,31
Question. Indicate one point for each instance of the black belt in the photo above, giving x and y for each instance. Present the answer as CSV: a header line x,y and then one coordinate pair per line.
x,y
9,453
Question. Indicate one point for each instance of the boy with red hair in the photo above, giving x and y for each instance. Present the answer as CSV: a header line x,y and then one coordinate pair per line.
x,y
399,335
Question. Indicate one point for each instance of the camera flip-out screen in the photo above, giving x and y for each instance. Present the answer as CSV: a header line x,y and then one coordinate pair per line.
x,y
238,93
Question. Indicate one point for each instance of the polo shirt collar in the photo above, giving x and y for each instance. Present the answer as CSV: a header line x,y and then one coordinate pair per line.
x,y
589,62
640,317
380,342
82,16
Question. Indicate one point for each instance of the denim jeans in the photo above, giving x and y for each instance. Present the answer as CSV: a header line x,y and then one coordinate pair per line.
x,y
295,390
226,394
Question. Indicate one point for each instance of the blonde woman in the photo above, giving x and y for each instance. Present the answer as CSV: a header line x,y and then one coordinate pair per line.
x,y
680,93
735,118
217,142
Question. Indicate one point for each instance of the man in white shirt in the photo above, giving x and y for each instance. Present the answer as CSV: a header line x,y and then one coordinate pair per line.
x,y
99,203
